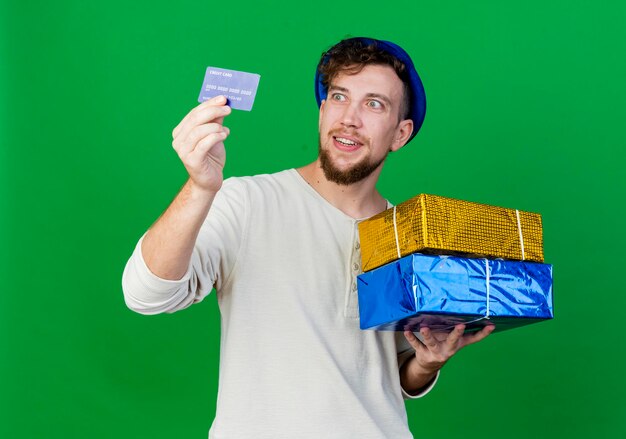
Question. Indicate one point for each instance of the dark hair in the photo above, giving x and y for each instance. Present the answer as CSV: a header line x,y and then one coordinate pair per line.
x,y
352,55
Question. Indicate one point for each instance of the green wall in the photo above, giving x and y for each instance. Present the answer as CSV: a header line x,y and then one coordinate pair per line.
x,y
525,110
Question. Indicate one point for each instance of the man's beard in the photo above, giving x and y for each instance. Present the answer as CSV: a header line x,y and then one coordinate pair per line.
x,y
350,176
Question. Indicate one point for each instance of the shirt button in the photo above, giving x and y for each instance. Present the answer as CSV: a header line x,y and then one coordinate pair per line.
x,y
355,266
353,286
358,245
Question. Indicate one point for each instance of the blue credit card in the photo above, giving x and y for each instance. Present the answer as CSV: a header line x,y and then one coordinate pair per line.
x,y
238,87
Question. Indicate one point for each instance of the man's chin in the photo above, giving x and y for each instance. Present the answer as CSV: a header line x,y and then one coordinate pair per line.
x,y
349,175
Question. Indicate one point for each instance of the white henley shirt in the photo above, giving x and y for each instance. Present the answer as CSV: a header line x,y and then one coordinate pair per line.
x,y
293,361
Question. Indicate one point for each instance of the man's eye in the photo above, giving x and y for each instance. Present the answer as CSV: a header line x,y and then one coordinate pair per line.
x,y
375,104
338,97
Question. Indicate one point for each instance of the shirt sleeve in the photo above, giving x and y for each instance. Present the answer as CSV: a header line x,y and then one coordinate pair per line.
x,y
405,352
213,259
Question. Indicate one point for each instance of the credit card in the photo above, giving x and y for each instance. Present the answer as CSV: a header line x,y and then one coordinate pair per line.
x,y
238,87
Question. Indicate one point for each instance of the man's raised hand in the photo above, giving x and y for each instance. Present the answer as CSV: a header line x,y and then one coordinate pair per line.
x,y
199,142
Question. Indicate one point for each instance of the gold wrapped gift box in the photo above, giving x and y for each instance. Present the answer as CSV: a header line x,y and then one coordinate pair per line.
x,y
440,225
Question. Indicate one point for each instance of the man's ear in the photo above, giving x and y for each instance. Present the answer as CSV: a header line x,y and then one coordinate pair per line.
x,y
402,135
319,119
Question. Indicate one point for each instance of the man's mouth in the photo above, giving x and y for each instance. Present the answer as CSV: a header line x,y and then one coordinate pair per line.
x,y
346,143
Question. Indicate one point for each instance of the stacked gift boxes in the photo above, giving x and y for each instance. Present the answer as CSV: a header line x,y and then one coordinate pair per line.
x,y
435,261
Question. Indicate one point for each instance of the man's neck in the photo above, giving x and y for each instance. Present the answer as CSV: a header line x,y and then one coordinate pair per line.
x,y
358,200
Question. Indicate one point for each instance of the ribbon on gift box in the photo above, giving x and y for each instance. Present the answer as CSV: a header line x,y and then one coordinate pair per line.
x,y
487,298
487,270
519,229
486,316
521,237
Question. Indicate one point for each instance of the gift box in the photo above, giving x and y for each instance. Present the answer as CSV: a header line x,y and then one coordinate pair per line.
x,y
442,291
438,225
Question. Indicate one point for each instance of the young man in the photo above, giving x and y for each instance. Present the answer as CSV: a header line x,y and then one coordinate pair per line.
x,y
282,251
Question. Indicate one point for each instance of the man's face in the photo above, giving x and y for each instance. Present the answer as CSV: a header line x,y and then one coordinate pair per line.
x,y
359,123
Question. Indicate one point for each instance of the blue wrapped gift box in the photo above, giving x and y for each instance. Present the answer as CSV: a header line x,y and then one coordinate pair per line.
x,y
442,291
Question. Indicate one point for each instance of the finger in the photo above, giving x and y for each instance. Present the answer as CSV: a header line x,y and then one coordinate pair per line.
x,y
201,131
413,341
478,336
184,147
216,102
205,145
430,341
455,335
213,114
440,336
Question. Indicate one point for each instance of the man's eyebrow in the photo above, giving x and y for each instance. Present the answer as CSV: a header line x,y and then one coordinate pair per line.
x,y
379,96
369,95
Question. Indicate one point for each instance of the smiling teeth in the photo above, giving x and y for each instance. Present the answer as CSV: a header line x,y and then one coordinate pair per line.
x,y
345,141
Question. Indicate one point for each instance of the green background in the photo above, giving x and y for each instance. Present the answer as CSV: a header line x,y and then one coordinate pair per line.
x,y
525,110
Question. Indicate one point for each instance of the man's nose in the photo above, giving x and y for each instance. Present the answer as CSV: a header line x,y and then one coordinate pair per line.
x,y
351,116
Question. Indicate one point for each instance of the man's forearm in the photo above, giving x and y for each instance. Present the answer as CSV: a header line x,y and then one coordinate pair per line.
x,y
168,244
414,378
